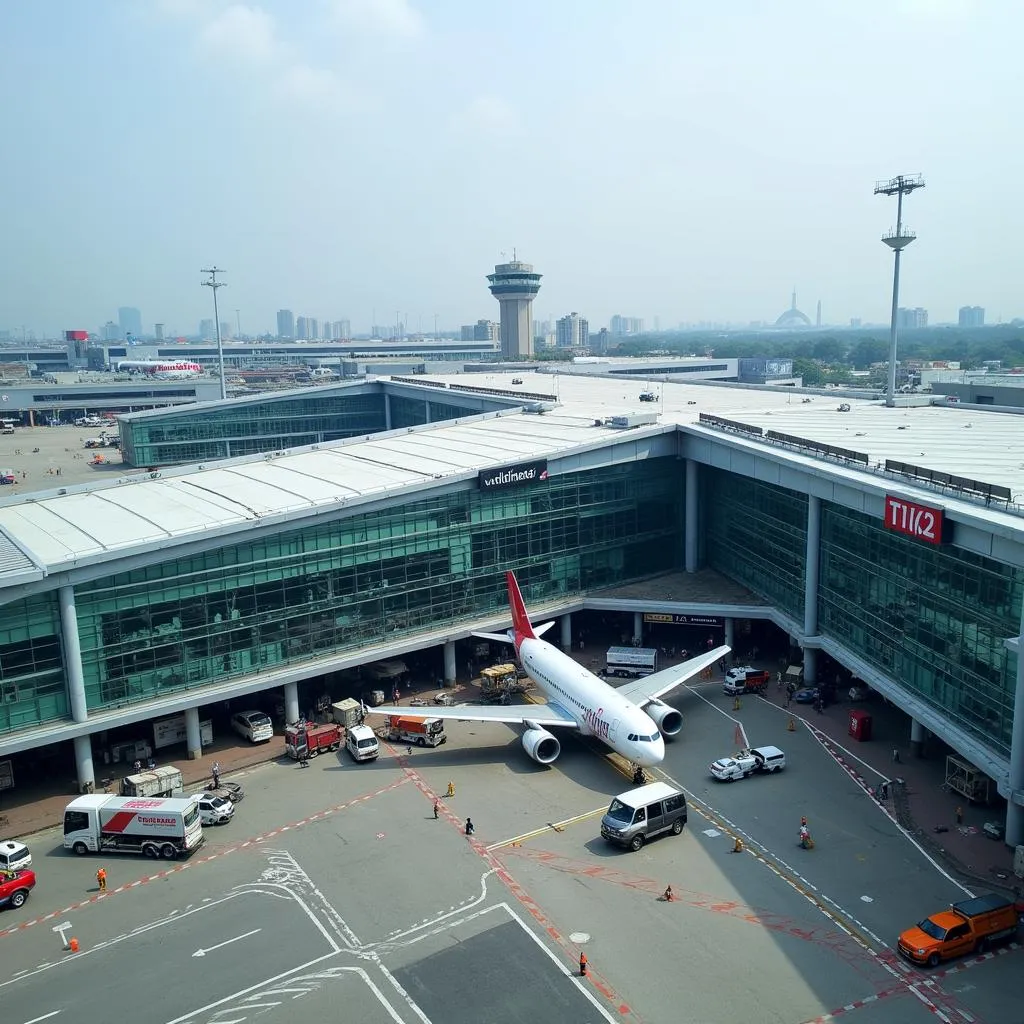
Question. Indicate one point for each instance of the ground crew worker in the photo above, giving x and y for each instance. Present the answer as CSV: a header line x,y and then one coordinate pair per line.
x,y
101,879
738,845
959,815
583,964
437,809
669,896
736,704
451,789
470,827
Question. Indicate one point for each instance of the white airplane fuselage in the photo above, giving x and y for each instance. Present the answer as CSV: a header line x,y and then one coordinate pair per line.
x,y
599,709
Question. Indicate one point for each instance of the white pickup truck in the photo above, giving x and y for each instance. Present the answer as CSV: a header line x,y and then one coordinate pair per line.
x,y
747,762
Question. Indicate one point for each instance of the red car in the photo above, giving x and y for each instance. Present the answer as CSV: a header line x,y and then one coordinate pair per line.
x,y
15,887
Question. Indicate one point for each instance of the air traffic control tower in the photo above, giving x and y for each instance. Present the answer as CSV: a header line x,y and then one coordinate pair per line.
x,y
514,286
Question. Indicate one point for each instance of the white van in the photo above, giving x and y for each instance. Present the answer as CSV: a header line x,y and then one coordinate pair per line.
x,y
642,813
14,856
361,743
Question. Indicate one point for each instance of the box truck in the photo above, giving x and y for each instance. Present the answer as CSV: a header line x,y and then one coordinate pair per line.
x,y
424,732
116,824
163,781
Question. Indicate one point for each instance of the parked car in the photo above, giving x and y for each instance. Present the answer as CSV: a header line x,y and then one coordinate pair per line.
x,y
859,691
214,809
747,762
254,726
807,695
517,380
14,855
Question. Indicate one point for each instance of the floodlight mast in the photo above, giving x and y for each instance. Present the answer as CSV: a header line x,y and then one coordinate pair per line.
x,y
214,284
897,240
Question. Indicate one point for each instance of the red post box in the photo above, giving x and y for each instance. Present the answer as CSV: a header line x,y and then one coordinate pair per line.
x,y
860,724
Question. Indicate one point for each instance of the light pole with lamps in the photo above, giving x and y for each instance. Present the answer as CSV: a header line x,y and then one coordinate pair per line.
x,y
215,284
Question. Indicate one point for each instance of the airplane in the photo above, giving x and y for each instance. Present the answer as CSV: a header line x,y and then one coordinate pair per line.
x,y
630,719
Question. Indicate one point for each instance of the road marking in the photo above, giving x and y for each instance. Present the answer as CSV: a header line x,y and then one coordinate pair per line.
x,y
251,988
226,942
197,861
45,1016
549,827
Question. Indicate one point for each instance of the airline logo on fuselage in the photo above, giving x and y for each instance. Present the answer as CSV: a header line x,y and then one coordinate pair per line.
x,y
598,726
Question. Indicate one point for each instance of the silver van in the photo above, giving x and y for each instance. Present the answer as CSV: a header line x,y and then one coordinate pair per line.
x,y
642,813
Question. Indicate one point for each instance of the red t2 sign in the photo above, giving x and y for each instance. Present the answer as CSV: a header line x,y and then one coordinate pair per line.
x,y
918,521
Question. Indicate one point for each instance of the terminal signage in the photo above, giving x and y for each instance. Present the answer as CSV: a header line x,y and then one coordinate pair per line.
x,y
921,522
684,620
521,475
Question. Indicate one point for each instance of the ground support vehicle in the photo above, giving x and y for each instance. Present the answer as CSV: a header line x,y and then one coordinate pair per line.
x,y
361,743
631,661
113,824
970,926
307,739
745,680
500,681
348,712
164,781
424,732
641,814
746,762
15,887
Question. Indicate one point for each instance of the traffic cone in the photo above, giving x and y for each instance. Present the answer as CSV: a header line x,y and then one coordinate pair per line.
x,y
792,725
73,945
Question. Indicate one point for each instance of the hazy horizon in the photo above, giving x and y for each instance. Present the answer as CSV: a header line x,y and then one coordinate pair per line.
x,y
342,158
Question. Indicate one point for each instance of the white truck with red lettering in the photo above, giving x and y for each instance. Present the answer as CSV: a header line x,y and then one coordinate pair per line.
x,y
156,827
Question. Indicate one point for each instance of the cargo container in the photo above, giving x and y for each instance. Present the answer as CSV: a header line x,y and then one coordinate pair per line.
x,y
165,781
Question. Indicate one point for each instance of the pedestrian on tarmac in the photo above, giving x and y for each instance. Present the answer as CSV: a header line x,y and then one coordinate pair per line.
x,y
101,879
437,809
216,774
470,827
959,815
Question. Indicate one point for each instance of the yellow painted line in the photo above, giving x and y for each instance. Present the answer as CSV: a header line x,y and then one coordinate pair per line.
x,y
556,826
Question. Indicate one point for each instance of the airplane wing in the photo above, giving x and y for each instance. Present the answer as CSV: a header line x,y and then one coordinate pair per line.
x,y
511,714
647,688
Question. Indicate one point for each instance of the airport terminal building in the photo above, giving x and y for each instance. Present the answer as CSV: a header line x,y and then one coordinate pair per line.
x,y
891,540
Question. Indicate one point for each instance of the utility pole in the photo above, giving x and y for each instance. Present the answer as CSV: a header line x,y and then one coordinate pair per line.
x,y
215,284
238,323
435,327
897,240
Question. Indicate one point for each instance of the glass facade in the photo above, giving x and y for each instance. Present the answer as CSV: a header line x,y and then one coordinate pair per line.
x,y
32,688
341,585
932,618
756,534
202,434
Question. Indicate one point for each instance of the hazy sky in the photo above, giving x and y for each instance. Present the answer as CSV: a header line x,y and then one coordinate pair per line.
x,y
668,158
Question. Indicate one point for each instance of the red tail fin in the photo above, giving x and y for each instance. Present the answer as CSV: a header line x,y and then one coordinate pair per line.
x,y
520,620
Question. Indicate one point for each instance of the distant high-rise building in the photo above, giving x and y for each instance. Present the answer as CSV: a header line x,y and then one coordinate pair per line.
x,y
600,342
111,331
342,330
482,330
573,332
226,330
207,330
328,330
972,316
514,285
909,319
623,325
285,323
855,321
129,319
817,319
313,325
158,332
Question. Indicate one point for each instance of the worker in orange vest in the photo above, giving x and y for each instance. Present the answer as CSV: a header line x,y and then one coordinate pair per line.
x,y
583,964
101,879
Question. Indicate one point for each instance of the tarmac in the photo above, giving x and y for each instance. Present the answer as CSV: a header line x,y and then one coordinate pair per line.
x,y
919,804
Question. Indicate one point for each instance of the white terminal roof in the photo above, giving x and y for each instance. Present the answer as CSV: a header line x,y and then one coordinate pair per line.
x,y
96,522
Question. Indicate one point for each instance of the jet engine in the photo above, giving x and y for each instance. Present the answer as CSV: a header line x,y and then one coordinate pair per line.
x,y
541,745
667,719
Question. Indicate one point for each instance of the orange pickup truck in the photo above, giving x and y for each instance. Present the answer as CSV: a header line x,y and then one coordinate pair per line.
x,y
970,926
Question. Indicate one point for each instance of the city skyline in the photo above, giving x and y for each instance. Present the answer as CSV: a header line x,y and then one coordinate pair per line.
x,y
740,179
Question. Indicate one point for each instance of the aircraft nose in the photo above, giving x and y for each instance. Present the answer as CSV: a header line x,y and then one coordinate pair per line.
x,y
651,754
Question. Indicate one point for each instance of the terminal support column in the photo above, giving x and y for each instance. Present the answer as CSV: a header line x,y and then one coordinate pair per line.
x,y
76,686
291,703
812,566
916,737
730,633
638,626
690,526
1014,811
566,632
387,412
449,663
193,737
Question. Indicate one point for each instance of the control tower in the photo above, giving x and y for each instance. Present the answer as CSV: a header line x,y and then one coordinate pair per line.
x,y
514,285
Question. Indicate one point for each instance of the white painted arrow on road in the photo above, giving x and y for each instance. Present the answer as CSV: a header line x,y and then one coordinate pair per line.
x,y
237,938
